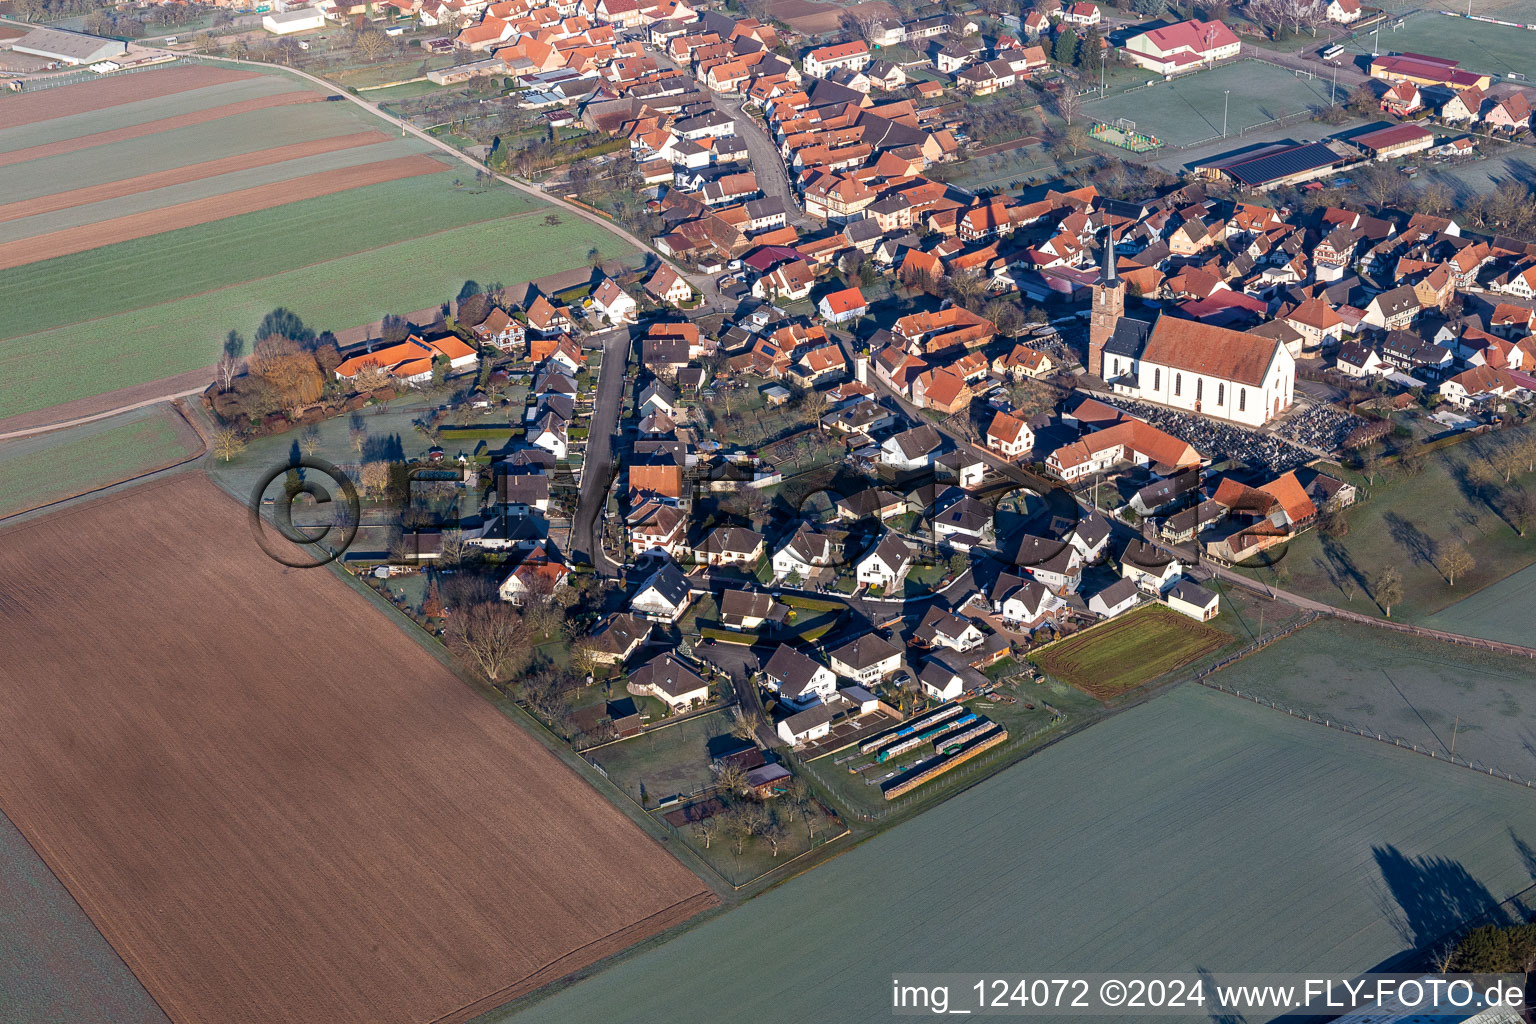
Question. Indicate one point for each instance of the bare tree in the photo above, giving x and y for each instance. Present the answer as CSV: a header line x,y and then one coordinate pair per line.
x,y
357,433
1388,589
706,829
229,365
309,440
773,833
1068,104
1455,561
227,444
731,778
376,478
490,636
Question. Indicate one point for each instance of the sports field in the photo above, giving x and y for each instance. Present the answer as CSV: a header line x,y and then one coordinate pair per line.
x,y
1433,695
1130,650
1477,45
1189,108
47,467
276,805
193,205
1196,831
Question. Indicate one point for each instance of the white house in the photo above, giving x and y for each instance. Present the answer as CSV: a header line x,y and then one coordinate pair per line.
x,y
1023,602
941,628
805,554
1151,568
911,449
1185,46
664,597
1120,596
886,564
1193,600
940,681
667,287
866,659
808,726
798,680
852,56
842,306
297,19
614,304
670,681
1009,436
1344,12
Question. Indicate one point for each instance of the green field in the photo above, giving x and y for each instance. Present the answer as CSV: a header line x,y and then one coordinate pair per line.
x,y
47,467
1196,831
1128,651
1419,691
54,964
666,762
84,214
1188,109
231,275
1400,525
1498,612
1490,49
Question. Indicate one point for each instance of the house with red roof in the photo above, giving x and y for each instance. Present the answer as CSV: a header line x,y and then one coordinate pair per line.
x,y
1185,46
1083,15
1343,12
1009,436
412,359
668,287
824,60
840,307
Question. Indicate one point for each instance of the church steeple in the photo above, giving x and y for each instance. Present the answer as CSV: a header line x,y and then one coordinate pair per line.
x,y
1108,307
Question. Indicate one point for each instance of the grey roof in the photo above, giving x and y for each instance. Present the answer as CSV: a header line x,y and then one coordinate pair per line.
x,y
659,390
741,604
1092,529
1116,592
1145,556
1129,339
668,675
621,631
893,552
522,488
810,718
670,583
920,440
868,502
1161,492
793,671
940,622
1398,300
1043,553
966,515
1192,593
865,651
769,206
732,540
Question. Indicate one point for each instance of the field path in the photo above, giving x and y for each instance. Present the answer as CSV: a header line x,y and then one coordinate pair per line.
x,y
61,425
187,173
201,211
31,108
164,124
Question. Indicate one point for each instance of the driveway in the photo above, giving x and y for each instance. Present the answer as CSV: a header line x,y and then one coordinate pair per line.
x,y
597,472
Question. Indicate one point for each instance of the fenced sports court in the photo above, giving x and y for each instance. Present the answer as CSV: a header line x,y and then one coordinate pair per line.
x,y
1505,50
1123,134
1188,110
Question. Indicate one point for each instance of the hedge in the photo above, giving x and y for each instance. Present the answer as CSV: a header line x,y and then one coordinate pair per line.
x,y
729,636
474,433
814,603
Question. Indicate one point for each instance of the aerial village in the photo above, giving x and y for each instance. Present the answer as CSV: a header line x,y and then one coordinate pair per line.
x,y
878,436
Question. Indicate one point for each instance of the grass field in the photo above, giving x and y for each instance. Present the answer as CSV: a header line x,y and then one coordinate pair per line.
x,y
54,964
1401,524
47,467
667,762
1419,691
1498,612
1491,49
1130,650
1127,846
175,335
158,306
1189,108
256,840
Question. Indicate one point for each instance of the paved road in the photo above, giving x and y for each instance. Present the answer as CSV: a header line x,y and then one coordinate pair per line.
x,y
598,469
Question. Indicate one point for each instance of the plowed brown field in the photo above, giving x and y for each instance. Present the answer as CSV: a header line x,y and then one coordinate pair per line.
x,y
165,124
182,175
201,211
111,91
273,803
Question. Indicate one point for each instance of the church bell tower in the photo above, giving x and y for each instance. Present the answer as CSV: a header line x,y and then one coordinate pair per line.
x,y
1108,307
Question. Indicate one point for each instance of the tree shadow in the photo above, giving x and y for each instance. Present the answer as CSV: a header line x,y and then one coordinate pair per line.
x,y
1217,1014
1411,539
1433,897
1343,563
383,448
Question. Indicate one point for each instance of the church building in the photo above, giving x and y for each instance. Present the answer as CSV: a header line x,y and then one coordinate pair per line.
x,y
1185,364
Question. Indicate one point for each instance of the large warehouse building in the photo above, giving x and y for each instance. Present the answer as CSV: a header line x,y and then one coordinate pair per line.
x,y
69,47
1280,164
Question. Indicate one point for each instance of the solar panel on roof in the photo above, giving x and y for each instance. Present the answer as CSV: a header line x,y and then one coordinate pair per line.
x,y
1271,167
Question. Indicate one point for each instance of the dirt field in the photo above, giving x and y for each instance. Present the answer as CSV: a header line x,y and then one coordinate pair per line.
x,y
29,108
272,802
812,18
181,175
231,204
164,124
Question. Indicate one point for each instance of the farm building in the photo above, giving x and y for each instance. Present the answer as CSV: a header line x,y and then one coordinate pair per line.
x,y
300,19
69,47
1398,140
1276,166
1421,69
